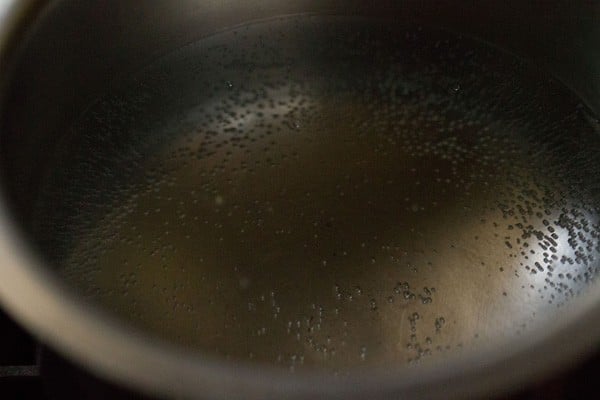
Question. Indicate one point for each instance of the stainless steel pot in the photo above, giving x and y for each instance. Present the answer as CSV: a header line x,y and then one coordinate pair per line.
x,y
59,57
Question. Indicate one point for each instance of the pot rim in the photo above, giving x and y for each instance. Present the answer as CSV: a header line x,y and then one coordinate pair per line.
x,y
108,347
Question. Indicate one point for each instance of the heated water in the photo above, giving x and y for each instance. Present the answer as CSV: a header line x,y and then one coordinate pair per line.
x,y
330,192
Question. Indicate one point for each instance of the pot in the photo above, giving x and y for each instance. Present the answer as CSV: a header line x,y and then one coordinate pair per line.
x,y
303,199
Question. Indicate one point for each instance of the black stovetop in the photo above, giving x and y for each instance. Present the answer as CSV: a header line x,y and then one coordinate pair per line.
x,y
21,377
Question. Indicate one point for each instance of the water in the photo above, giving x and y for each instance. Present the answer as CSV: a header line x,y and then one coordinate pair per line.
x,y
329,192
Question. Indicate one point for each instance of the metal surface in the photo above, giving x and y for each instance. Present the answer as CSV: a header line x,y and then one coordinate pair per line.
x,y
497,299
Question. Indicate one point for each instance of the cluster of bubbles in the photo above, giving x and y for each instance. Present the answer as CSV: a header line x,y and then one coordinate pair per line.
x,y
327,191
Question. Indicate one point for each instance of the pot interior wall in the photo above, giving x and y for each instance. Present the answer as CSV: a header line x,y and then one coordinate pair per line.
x,y
394,226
